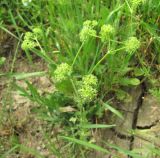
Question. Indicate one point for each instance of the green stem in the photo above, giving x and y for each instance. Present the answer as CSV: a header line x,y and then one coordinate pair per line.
x,y
74,87
43,53
130,9
77,54
39,45
105,57
109,39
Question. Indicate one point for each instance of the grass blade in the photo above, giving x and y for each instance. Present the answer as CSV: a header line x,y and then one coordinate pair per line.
x,y
97,126
126,152
86,144
20,76
9,151
113,110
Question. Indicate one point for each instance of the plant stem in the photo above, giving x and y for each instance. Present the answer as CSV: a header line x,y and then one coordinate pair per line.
x,y
105,57
77,54
74,87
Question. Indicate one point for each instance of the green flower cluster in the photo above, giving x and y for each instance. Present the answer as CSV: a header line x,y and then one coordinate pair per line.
x,y
132,44
28,45
88,30
30,38
88,89
37,33
106,32
90,80
62,72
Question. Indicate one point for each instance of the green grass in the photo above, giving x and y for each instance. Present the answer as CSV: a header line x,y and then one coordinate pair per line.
x,y
117,49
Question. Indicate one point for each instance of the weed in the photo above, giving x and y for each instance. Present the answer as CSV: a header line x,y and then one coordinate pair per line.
x,y
95,50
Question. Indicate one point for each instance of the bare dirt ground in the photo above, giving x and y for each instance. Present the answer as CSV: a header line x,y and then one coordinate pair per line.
x,y
18,121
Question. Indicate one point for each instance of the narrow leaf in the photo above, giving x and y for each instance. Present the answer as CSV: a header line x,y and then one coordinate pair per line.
x,y
124,151
20,76
129,81
97,126
86,144
113,110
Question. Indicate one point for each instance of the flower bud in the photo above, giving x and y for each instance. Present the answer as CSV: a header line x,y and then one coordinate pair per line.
x,y
28,45
87,93
106,32
62,72
90,80
132,44
88,30
37,32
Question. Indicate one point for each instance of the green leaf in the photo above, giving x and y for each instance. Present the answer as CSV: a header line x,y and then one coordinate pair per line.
x,y
20,76
113,110
134,81
84,143
129,81
97,126
2,60
138,72
65,87
121,150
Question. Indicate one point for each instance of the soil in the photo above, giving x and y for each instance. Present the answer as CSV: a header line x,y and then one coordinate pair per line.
x,y
19,122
